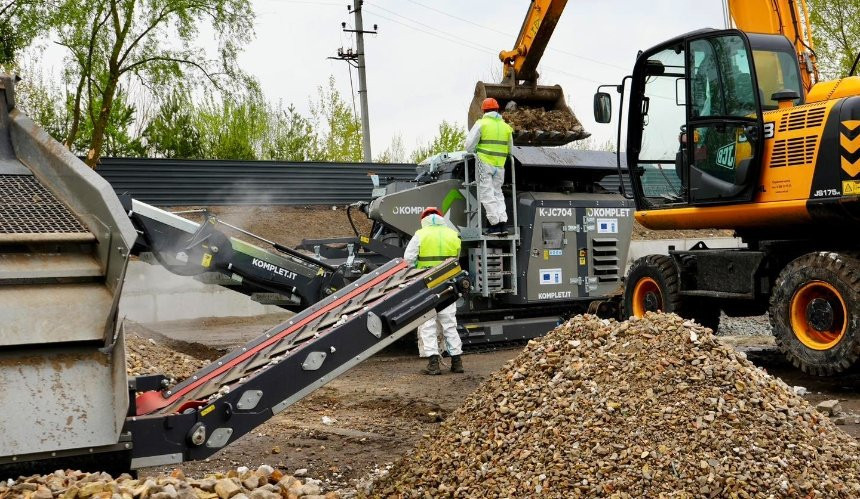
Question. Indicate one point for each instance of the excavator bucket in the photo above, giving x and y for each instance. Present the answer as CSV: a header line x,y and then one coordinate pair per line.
x,y
539,114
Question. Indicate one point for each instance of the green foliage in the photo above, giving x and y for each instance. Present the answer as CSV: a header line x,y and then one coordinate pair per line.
x,y
21,21
232,129
150,41
395,153
451,138
591,144
290,137
337,126
172,132
836,33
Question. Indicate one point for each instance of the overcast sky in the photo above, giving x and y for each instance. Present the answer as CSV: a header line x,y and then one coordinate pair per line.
x,y
423,64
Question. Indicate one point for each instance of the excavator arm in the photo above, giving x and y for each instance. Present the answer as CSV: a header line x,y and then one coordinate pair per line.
x,y
786,17
540,21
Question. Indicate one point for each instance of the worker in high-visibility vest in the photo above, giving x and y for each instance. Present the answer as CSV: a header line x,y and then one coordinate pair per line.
x,y
431,245
492,140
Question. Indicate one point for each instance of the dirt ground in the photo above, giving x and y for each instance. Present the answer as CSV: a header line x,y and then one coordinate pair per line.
x,y
288,225
378,411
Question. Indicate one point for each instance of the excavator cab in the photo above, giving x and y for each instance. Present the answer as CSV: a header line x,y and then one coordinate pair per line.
x,y
696,132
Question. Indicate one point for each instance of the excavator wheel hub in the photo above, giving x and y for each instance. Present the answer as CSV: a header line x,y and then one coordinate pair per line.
x,y
818,315
647,297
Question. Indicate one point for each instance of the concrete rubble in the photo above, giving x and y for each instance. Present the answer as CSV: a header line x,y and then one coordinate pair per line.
x,y
644,408
262,483
147,356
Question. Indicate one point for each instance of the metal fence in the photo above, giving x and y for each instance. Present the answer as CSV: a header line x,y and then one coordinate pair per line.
x,y
170,182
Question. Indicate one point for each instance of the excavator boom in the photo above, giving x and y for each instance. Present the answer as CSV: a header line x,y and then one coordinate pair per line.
x,y
789,18
538,113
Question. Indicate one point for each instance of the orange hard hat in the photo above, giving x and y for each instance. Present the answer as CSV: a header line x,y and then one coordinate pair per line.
x,y
430,210
490,104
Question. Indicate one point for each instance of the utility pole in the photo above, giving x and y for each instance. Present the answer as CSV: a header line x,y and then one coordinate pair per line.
x,y
362,74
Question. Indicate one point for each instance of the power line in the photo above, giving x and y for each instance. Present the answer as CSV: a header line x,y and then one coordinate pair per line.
x,y
464,42
494,30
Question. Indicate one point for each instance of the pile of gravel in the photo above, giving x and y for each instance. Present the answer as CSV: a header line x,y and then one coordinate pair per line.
x,y
526,119
648,407
262,483
148,356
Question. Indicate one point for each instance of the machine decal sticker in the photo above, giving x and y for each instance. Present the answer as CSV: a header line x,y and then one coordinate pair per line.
x,y
726,156
851,187
557,295
582,254
556,253
607,226
550,276
450,198
849,139
769,129
555,212
607,212
273,268
206,261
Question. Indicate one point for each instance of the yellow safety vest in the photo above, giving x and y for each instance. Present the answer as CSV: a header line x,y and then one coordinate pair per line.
x,y
438,243
495,136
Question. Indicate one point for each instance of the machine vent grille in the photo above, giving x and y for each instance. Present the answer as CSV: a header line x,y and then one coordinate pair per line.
x,y
604,260
797,151
802,118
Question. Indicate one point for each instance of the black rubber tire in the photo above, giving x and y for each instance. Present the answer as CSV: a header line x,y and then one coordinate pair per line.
x,y
661,269
839,271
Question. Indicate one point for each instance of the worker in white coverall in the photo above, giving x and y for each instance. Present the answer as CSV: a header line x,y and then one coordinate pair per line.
x,y
431,245
492,140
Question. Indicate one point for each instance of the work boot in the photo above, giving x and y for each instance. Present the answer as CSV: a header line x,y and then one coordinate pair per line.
x,y
492,230
501,230
456,364
432,366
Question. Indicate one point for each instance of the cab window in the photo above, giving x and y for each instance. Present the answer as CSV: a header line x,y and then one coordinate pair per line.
x,y
776,71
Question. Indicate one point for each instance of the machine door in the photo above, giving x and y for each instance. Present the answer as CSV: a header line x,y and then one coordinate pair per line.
x,y
724,132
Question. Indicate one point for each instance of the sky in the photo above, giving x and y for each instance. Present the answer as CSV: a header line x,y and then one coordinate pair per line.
x,y
423,65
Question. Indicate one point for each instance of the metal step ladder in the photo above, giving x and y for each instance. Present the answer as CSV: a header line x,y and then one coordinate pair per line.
x,y
492,259
243,389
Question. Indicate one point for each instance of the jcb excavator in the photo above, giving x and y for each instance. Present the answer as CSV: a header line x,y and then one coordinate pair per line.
x,y
519,88
743,139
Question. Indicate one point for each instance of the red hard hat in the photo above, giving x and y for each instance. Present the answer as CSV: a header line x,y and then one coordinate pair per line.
x,y
430,210
490,104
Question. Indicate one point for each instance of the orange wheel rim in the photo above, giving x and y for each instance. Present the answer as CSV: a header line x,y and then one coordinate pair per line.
x,y
819,317
647,297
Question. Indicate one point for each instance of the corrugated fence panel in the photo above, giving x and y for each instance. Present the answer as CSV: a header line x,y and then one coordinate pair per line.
x,y
170,182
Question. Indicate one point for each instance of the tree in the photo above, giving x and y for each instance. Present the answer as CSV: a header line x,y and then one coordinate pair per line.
x,y
21,21
152,41
451,138
338,127
232,129
396,152
836,34
172,132
291,136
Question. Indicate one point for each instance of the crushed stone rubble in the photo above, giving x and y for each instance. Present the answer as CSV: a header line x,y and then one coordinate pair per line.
x,y
651,407
241,483
148,356
526,119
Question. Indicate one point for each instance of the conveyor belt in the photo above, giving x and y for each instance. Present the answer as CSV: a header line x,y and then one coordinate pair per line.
x,y
273,346
245,388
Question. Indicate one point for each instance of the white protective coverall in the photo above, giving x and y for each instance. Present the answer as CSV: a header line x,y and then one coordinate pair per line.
x,y
490,178
446,319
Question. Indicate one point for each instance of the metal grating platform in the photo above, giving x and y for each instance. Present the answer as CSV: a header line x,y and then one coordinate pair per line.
x,y
26,207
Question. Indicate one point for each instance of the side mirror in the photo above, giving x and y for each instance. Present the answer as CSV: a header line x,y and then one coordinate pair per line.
x,y
602,107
